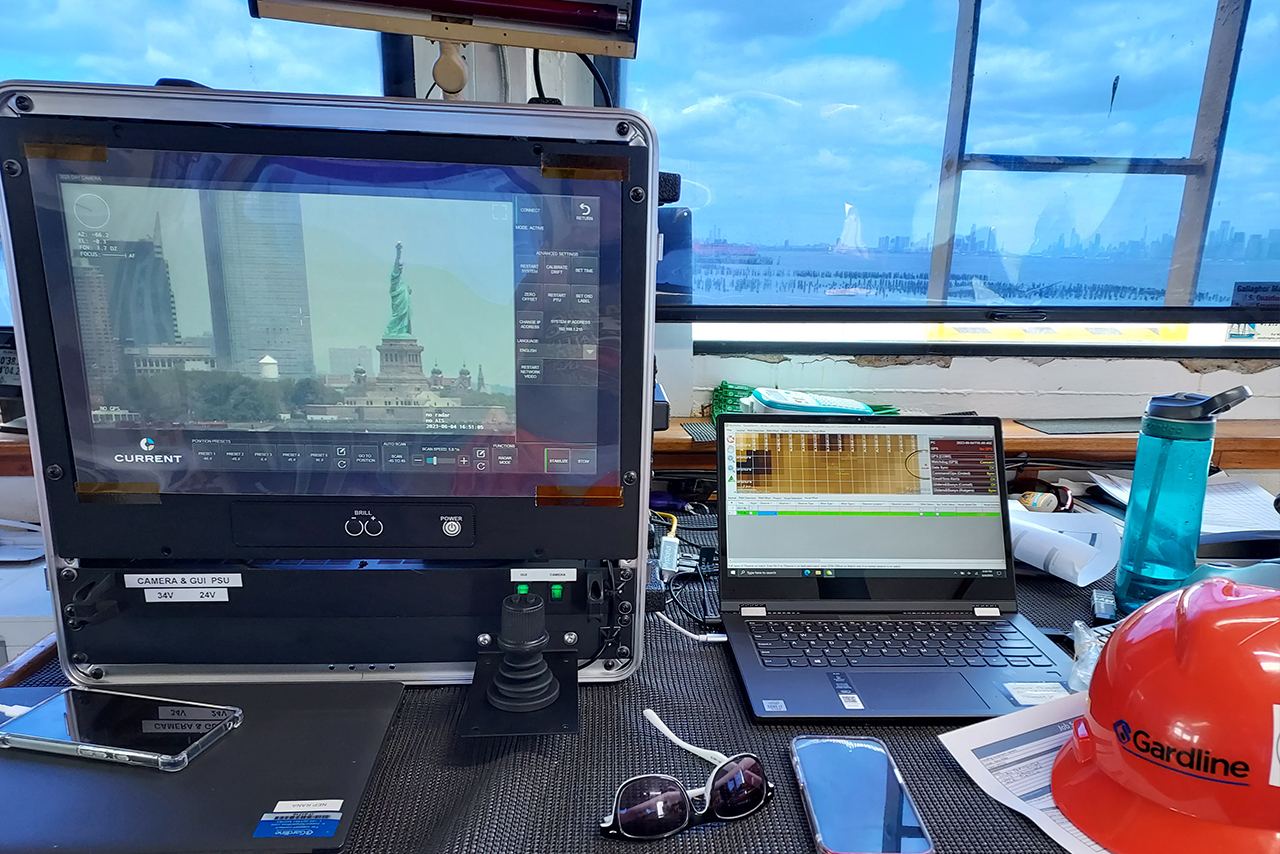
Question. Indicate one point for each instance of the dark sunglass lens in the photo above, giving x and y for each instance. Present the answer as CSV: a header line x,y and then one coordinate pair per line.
x,y
650,807
738,788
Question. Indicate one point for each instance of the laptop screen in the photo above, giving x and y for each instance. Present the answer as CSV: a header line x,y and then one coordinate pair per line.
x,y
862,504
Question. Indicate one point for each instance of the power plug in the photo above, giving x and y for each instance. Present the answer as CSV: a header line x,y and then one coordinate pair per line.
x,y
668,556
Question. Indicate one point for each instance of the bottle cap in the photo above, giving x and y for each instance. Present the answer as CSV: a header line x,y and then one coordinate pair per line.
x,y
1189,406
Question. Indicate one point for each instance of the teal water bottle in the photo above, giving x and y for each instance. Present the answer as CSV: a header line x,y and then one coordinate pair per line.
x,y
1162,522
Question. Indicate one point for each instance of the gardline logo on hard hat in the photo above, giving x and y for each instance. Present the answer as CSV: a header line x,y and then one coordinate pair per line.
x,y
1196,759
1182,726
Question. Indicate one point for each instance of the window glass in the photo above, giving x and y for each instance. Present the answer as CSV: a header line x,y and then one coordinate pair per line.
x,y
1242,249
1064,239
214,42
1088,78
809,143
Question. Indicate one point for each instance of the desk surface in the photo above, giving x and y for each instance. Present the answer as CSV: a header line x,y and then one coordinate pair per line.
x,y
432,792
15,455
1240,444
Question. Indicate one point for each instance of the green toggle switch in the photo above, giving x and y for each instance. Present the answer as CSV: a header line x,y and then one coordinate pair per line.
x,y
557,591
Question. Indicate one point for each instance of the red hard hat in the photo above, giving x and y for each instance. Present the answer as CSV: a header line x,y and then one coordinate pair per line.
x,y
1179,748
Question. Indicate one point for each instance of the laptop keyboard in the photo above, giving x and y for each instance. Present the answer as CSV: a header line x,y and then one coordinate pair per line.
x,y
893,643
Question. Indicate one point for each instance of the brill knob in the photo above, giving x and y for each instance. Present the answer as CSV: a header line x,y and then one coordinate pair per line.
x,y
524,620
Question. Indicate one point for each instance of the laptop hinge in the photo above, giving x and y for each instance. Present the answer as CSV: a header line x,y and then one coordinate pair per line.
x,y
986,610
753,611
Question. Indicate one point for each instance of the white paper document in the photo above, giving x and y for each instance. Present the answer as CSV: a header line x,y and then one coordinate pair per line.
x,y
1230,503
1011,758
1076,547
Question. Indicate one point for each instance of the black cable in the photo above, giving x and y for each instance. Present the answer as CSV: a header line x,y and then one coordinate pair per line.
x,y
674,597
537,73
605,636
605,94
707,607
429,91
665,527
695,543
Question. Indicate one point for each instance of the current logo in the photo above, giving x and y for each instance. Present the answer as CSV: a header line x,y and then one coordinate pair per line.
x,y
147,444
1123,732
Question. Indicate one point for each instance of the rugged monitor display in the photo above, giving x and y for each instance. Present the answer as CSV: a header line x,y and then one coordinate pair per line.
x,y
288,327
292,325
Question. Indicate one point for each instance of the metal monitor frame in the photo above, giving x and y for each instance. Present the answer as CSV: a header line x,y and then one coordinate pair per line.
x,y
599,526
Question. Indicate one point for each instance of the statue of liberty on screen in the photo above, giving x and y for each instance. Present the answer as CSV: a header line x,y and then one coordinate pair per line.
x,y
401,323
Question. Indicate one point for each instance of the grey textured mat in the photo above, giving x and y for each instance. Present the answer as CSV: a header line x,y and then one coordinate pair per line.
x,y
431,792
1067,426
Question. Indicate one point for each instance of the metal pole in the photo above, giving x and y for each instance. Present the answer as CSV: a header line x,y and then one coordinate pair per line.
x,y
944,226
1206,149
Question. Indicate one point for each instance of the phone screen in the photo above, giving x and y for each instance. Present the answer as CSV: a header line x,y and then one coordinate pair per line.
x,y
856,800
126,721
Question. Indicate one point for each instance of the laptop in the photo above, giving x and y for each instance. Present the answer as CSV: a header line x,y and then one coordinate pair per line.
x,y
866,569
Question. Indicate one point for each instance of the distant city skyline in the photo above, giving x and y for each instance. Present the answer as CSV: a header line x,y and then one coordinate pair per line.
x,y
1224,243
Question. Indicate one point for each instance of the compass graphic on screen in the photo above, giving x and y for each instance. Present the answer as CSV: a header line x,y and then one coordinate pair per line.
x,y
91,210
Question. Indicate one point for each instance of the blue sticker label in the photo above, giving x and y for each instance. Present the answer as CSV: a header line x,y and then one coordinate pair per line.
x,y
284,825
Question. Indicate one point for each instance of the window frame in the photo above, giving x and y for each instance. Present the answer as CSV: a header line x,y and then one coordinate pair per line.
x,y
1199,170
736,347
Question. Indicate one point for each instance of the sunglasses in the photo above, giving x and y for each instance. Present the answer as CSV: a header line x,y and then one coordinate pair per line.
x,y
653,806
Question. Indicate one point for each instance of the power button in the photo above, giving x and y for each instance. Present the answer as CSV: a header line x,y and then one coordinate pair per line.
x,y
451,527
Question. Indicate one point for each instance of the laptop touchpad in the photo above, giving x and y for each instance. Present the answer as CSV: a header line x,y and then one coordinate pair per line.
x,y
910,692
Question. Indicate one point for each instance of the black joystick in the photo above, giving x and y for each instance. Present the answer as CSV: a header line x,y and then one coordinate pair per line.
x,y
524,682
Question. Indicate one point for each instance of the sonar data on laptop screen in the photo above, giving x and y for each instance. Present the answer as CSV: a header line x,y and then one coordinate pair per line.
x,y
862,500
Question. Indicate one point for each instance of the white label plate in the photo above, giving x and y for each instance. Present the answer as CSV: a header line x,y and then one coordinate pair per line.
x,y
522,573
1275,746
330,805
1035,693
204,579
851,702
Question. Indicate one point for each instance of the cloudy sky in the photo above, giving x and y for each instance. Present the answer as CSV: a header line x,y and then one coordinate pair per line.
x,y
778,121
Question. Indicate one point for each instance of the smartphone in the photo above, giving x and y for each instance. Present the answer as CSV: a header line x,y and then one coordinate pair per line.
x,y
126,729
855,797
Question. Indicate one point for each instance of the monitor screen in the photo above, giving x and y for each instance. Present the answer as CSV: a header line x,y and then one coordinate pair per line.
x,y
862,500
285,325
